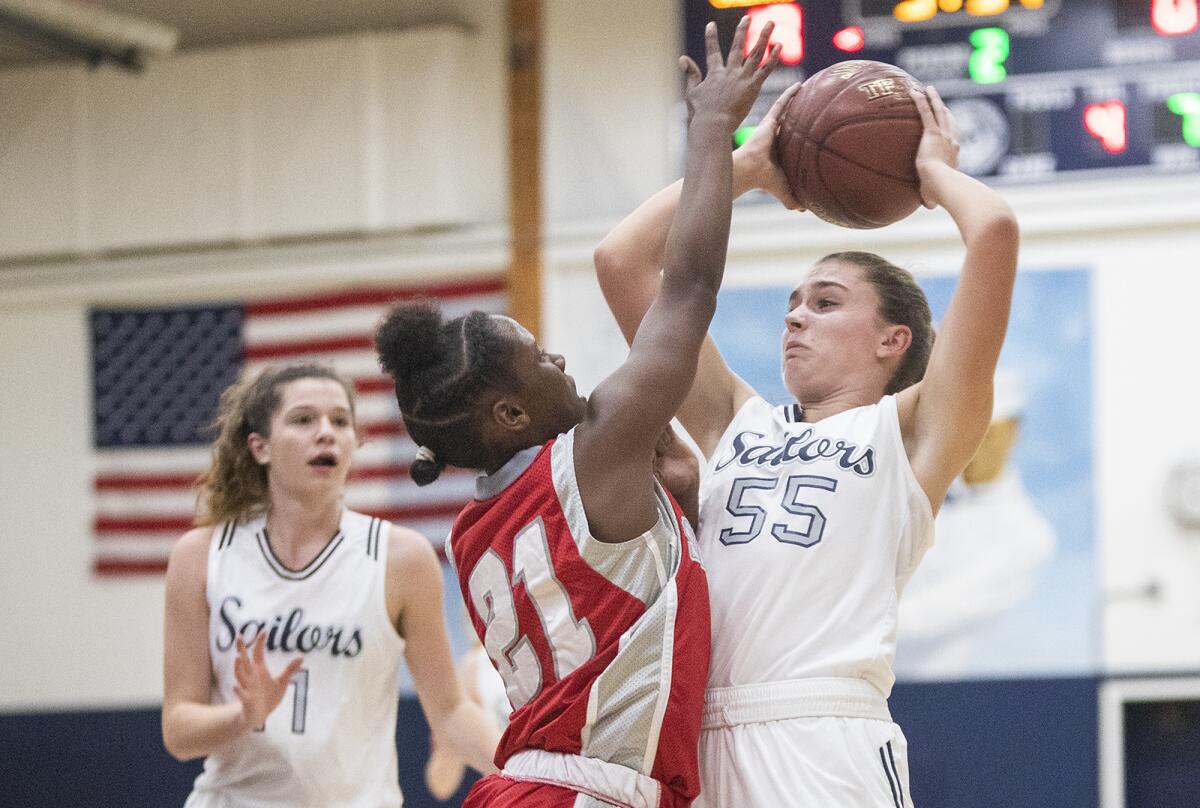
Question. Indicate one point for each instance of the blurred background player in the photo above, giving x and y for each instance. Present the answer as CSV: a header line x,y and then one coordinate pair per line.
x,y
327,600
814,514
576,566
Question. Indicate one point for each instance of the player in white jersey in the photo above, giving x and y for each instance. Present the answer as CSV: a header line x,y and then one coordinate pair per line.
x,y
814,514
287,614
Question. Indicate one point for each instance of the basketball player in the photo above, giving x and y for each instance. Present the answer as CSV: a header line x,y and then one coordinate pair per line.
x,y
327,601
813,515
676,469
576,566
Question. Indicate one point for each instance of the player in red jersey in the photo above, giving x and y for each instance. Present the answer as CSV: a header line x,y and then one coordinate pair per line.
x,y
579,571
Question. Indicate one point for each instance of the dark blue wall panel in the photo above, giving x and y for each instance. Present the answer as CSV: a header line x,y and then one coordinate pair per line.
x,y
998,744
116,759
978,744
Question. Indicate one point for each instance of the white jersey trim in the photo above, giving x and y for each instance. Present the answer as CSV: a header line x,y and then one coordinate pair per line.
x,y
597,778
817,697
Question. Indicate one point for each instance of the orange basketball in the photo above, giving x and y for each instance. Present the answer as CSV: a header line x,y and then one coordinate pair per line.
x,y
848,144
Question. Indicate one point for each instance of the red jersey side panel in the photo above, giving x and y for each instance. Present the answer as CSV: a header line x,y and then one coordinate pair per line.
x,y
603,647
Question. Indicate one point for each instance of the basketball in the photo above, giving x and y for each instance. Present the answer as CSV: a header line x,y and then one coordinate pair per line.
x,y
848,143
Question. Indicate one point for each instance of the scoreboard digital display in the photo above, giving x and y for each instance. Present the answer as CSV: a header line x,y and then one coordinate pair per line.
x,y
1039,88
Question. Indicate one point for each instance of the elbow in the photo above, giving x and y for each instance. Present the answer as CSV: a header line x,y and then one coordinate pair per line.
x,y
176,750
607,261
174,745
1001,228
997,236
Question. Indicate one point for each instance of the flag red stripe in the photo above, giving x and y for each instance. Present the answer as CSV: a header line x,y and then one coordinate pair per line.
x,y
402,515
383,429
141,524
374,384
302,347
156,566
158,482
133,482
370,297
126,566
125,525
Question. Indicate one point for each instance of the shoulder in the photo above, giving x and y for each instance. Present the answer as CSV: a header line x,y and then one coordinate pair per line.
x,y
408,547
411,557
188,562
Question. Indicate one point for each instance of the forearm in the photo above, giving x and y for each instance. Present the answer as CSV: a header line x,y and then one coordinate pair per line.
x,y
192,730
978,211
629,259
471,733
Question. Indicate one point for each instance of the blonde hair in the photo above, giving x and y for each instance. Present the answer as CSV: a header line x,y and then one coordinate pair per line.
x,y
234,488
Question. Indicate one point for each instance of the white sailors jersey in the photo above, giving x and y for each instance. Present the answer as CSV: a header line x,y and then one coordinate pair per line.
x,y
331,742
809,532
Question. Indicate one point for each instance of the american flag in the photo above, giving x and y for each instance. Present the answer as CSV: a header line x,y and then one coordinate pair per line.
x,y
157,375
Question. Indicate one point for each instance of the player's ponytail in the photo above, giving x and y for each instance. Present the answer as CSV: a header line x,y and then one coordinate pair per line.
x,y
234,488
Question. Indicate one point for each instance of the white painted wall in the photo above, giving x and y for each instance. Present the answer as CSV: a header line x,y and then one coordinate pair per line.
x,y
610,133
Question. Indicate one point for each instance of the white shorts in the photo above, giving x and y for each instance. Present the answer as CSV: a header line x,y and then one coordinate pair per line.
x,y
816,743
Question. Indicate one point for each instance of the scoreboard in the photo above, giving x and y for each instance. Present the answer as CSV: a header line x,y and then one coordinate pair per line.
x,y
1039,88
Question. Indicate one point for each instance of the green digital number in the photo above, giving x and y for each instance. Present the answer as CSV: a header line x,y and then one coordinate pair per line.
x,y
986,64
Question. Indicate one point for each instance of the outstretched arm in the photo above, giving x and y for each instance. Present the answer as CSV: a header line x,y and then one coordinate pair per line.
x,y
629,409
945,416
415,579
629,265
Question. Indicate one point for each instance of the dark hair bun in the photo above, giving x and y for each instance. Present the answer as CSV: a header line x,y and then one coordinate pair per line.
x,y
408,337
424,472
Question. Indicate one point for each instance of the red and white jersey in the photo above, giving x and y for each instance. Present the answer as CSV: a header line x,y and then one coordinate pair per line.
x,y
603,648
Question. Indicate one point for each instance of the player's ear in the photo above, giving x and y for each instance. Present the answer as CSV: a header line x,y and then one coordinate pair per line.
x,y
896,339
259,449
510,414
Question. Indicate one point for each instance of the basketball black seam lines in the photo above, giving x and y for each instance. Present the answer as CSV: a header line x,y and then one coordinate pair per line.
x,y
821,145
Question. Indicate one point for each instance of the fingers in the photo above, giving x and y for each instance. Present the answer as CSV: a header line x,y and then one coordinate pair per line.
x,y
941,112
923,109
738,48
260,643
291,668
692,70
755,57
772,62
776,112
665,439
712,47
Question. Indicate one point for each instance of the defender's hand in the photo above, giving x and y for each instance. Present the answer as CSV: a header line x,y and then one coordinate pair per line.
x,y
732,83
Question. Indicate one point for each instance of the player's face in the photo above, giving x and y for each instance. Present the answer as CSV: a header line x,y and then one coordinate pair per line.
x,y
312,437
549,394
832,333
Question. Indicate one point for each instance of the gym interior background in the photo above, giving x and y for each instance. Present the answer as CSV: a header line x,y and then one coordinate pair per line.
x,y
290,150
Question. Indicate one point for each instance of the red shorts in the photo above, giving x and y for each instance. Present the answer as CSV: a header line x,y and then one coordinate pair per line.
x,y
496,791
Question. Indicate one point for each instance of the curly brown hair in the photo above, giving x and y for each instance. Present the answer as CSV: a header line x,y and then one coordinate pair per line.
x,y
234,488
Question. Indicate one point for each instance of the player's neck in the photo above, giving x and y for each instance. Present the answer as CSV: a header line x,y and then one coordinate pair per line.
x,y
839,401
300,523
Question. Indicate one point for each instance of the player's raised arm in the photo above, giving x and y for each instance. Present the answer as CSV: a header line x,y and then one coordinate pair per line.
x,y
630,408
945,416
629,265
